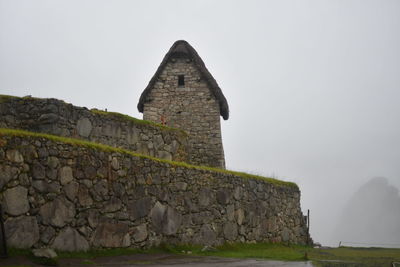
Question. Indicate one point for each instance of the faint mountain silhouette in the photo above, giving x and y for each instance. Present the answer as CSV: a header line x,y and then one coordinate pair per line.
x,y
372,215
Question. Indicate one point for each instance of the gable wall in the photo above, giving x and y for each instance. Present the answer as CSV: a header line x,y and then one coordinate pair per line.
x,y
192,108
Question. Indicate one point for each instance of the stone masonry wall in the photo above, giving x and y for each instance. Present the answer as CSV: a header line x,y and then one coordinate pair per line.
x,y
192,108
56,117
72,197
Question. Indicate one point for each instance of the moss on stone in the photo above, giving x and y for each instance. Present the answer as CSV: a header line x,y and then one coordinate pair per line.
x,y
6,98
91,145
135,120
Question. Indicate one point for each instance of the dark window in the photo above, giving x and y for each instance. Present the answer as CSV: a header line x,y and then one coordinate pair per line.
x,y
181,80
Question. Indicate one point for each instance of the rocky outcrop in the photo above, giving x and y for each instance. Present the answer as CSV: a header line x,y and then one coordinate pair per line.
x,y
73,197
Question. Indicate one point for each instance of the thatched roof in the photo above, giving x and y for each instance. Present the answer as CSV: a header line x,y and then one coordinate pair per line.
x,y
180,49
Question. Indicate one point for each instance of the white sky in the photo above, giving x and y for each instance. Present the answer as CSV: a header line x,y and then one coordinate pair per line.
x,y
313,86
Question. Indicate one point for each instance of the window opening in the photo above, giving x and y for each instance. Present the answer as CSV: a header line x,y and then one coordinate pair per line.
x,y
181,80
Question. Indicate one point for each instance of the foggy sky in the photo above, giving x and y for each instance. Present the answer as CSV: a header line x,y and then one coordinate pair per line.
x,y
312,86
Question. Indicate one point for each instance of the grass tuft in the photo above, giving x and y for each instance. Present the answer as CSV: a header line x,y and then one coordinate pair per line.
x,y
91,145
135,120
6,98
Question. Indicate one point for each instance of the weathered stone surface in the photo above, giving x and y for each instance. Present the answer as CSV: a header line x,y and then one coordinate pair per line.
x,y
101,187
230,212
6,174
113,205
172,221
21,232
58,212
84,127
239,216
164,155
71,190
65,175
41,186
165,219
207,236
15,200
67,120
93,218
47,235
14,155
84,197
157,216
230,231
205,197
169,203
70,240
223,196
48,118
140,233
110,235
285,234
38,171
44,253
114,163
140,208
53,162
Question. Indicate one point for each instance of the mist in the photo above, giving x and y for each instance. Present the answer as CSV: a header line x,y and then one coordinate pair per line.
x,y
313,86
371,217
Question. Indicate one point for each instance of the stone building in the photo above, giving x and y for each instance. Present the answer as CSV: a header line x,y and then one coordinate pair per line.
x,y
183,94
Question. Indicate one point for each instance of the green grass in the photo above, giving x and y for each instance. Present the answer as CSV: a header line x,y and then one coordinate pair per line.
x,y
135,120
344,256
7,98
91,145
355,256
244,250
12,252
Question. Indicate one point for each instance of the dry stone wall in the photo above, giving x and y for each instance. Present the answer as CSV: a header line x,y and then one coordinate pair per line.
x,y
73,197
56,117
191,107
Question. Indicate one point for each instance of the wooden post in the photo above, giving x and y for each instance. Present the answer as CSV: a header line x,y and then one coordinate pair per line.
x,y
308,227
3,241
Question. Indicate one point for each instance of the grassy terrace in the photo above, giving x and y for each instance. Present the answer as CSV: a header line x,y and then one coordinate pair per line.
x,y
343,256
135,120
91,145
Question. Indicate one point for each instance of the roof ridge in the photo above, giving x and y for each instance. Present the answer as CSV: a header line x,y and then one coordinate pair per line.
x,y
178,49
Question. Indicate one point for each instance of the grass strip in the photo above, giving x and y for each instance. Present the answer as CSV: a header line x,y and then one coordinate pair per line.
x,y
92,145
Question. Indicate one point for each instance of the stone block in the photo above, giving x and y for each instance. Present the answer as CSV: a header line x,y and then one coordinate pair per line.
x,y
70,240
38,171
57,213
84,197
140,208
165,219
110,235
14,155
230,231
21,232
7,173
65,175
44,253
140,233
71,190
84,127
15,200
